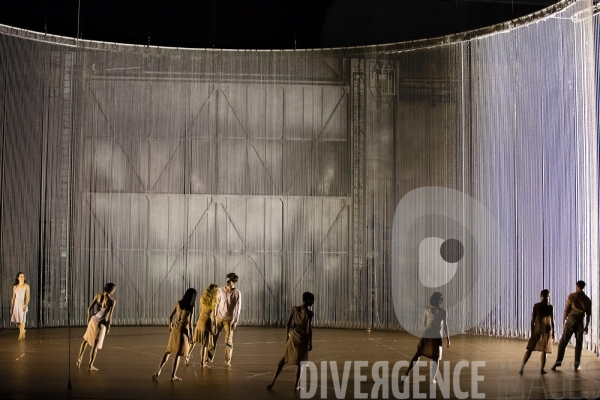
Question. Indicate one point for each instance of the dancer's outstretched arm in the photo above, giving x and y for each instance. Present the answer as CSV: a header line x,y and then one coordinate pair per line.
x,y
95,301
26,297
310,334
552,321
12,302
113,304
171,317
289,324
191,325
446,328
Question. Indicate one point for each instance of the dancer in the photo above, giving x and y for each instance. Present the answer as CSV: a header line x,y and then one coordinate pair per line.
x,y
578,305
180,331
299,340
228,313
98,324
206,325
542,330
431,344
18,304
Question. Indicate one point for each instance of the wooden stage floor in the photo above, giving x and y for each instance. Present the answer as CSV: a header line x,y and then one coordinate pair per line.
x,y
39,367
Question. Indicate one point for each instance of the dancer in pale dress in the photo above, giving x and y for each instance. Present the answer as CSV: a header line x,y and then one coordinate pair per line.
x,y
542,330
180,332
98,324
207,321
298,338
18,304
431,344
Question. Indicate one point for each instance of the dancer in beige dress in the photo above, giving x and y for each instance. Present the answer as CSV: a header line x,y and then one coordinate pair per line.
x,y
98,324
299,338
18,304
180,332
207,321
542,330
435,318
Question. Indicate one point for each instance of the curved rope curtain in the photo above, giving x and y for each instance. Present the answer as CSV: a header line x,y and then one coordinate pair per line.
x,y
160,169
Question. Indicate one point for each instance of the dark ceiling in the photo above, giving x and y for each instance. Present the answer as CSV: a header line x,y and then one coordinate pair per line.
x,y
260,24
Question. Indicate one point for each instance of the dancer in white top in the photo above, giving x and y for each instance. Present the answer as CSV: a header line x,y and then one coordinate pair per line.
x,y
18,304
98,324
228,312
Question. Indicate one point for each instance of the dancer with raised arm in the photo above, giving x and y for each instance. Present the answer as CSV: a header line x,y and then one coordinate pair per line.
x,y
18,304
542,330
180,332
298,338
228,312
98,324
431,344
207,322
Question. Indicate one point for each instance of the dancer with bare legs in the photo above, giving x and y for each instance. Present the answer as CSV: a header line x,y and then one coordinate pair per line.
x,y
18,304
98,324
298,338
207,323
431,344
180,332
542,330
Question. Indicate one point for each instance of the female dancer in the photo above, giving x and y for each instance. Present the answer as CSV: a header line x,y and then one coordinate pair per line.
x,y
299,340
180,337
542,330
430,344
98,324
18,304
206,322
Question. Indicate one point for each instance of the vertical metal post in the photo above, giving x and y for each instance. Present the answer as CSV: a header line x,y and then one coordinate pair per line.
x,y
358,162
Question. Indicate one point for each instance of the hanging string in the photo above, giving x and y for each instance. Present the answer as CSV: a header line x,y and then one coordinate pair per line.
x,y
214,22
45,17
149,20
78,17
456,16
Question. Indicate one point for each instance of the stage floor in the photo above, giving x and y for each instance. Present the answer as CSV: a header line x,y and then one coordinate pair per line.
x,y
39,367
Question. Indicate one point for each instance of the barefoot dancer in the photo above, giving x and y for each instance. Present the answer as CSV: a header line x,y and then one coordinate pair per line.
x,y
299,340
18,304
207,321
431,344
228,313
542,330
180,337
98,324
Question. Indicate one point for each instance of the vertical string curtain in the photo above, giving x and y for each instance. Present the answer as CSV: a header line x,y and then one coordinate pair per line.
x,y
160,169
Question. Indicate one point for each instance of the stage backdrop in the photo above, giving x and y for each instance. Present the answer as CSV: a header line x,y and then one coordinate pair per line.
x,y
160,169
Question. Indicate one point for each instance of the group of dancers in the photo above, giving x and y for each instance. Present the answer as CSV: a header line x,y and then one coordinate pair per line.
x,y
576,321
220,310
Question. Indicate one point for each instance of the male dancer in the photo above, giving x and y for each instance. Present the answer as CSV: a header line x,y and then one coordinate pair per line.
x,y
578,305
228,313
